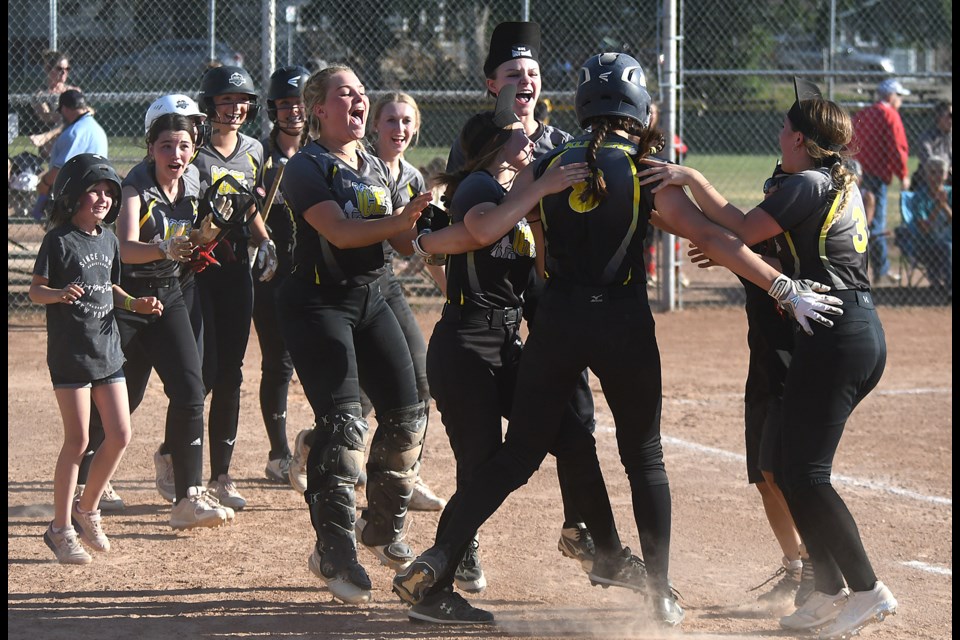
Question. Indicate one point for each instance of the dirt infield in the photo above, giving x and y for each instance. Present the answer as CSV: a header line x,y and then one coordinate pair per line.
x,y
250,580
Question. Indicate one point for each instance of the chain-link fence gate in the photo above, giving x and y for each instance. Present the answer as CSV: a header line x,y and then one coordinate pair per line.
x,y
735,63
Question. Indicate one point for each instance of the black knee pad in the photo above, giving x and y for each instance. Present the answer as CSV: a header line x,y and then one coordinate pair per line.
x,y
392,472
342,458
399,438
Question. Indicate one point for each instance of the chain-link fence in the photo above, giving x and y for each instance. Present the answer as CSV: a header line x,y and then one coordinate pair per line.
x,y
735,66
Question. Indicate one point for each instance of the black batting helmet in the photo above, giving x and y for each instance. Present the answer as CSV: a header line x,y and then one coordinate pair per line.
x,y
285,82
79,174
612,84
218,81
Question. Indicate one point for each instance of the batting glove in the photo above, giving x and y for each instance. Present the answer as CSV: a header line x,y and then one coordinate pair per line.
x,y
267,260
177,248
801,300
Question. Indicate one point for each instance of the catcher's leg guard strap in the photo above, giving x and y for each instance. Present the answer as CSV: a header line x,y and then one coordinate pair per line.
x,y
334,464
392,472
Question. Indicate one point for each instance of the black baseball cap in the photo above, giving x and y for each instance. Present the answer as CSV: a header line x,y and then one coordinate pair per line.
x,y
512,40
71,99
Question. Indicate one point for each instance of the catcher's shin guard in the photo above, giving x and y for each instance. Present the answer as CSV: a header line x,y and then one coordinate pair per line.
x,y
392,472
333,467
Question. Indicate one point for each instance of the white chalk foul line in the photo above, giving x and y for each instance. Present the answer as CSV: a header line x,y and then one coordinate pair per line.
x,y
929,568
873,485
913,392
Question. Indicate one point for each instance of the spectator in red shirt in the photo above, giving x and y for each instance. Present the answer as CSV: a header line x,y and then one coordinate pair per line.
x,y
878,132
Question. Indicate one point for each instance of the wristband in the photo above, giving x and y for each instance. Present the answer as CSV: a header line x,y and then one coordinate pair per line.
x,y
418,249
128,303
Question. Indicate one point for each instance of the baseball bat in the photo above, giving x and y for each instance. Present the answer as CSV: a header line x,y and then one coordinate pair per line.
x,y
281,165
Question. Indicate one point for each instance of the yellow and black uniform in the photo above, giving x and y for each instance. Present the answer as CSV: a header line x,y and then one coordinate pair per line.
x,y
770,340
546,139
226,298
409,184
276,366
338,327
170,343
594,313
825,239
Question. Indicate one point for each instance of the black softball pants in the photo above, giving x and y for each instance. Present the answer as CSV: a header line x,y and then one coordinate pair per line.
x,y
472,368
831,372
226,299
276,365
770,349
615,338
335,335
581,402
397,301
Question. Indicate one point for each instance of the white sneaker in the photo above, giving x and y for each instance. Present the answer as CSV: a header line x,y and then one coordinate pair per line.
x,y
163,462
225,490
818,610
87,524
862,608
340,584
66,545
297,473
423,499
278,470
110,501
211,499
195,511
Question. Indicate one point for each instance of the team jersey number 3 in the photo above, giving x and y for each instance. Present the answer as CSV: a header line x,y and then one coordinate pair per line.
x,y
860,234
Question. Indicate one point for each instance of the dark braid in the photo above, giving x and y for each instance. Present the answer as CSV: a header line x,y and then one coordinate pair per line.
x,y
651,142
596,189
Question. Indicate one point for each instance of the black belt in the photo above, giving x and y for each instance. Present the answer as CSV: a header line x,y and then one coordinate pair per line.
x,y
598,294
860,298
149,283
493,318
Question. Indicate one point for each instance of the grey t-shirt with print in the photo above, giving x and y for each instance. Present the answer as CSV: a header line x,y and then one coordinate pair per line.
x,y
83,342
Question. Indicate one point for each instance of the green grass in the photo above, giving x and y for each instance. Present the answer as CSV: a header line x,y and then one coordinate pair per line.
x,y
740,180
738,177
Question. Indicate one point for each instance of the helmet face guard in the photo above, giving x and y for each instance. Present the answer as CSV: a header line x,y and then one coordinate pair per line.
x,y
79,174
220,81
612,84
243,198
286,82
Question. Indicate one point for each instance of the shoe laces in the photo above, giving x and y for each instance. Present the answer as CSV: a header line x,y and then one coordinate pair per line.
x,y
471,559
210,499
93,522
776,574
109,493
582,536
67,539
458,604
631,564
227,485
